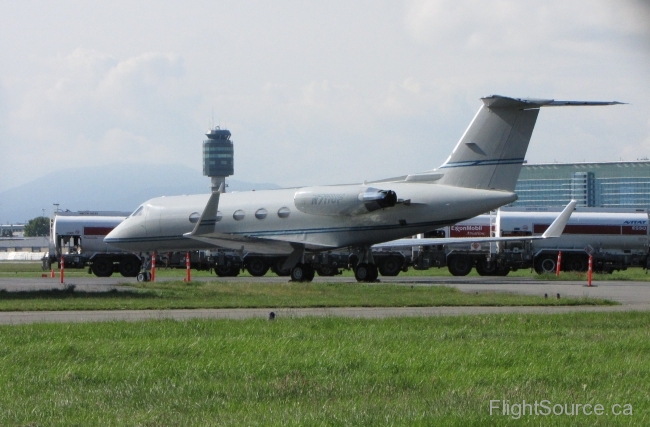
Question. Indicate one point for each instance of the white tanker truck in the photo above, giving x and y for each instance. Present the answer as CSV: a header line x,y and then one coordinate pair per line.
x,y
616,238
78,237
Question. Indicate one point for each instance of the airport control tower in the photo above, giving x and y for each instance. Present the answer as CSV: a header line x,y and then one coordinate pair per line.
x,y
218,157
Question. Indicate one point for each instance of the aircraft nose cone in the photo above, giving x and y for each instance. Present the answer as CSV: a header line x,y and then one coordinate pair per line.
x,y
115,237
127,236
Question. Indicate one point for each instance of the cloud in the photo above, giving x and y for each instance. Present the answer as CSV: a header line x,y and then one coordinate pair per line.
x,y
508,26
91,108
353,92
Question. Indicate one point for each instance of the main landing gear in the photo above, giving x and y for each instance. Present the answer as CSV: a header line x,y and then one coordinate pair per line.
x,y
366,270
302,272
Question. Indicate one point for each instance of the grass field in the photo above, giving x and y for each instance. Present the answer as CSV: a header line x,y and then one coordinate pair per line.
x,y
325,371
166,295
225,294
33,269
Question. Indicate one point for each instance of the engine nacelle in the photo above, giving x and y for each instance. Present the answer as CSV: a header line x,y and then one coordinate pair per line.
x,y
343,200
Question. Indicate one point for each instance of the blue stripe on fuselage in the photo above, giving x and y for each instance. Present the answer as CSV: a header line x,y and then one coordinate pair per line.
x,y
267,234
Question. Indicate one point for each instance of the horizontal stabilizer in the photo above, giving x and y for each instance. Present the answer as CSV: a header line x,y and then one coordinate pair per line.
x,y
492,150
499,101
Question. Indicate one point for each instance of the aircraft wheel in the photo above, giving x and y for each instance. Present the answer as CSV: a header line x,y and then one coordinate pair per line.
x,y
310,272
145,276
460,265
302,273
102,267
545,264
257,267
374,273
365,272
129,266
390,266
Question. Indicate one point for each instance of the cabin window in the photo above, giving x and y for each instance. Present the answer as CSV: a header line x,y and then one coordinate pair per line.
x,y
194,217
138,211
239,215
284,212
261,213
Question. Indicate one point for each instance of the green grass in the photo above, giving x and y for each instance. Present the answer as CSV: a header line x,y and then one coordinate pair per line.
x,y
167,295
33,269
440,371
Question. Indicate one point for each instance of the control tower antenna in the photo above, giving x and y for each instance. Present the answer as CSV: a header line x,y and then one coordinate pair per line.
x,y
218,157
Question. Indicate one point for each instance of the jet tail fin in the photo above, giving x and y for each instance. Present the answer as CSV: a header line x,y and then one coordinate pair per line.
x,y
491,152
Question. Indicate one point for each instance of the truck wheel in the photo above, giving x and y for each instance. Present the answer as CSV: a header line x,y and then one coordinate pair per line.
x,y
277,268
257,267
102,267
226,270
460,265
485,268
577,263
129,267
545,264
502,271
390,266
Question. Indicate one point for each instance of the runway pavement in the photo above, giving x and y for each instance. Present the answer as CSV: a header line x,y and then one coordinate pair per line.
x,y
632,296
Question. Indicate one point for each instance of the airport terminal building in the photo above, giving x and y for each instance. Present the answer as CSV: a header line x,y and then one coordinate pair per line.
x,y
606,184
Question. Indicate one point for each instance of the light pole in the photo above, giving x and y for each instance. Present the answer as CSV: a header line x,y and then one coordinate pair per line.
x,y
56,206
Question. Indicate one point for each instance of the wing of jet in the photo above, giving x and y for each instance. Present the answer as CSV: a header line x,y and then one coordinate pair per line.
x,y
554,230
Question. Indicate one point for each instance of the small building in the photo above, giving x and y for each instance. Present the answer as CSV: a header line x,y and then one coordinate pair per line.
x,y
25,244
12,230
24,248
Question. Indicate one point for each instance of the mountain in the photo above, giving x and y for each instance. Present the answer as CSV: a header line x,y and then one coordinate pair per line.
x,y
114,188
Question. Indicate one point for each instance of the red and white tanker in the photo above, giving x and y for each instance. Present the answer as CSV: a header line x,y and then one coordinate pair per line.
x,y
616,238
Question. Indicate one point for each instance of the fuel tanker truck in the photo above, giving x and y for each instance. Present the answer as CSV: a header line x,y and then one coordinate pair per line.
x,y
615,238
78,239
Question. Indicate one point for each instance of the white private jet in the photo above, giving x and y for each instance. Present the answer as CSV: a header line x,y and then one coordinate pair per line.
x,y
479,175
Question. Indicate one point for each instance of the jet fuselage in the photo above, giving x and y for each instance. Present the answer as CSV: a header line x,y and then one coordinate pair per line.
x,y
273,215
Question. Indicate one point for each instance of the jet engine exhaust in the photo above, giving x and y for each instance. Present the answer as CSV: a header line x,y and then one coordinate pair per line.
x,y
341,201
379,200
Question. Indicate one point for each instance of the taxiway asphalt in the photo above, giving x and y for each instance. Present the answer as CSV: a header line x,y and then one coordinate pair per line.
x,y
633,296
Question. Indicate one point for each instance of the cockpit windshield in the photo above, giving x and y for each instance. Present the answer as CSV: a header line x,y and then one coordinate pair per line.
x,y
138,211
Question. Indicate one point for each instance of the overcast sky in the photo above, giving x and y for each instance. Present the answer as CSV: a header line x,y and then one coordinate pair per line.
x,y
313,92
